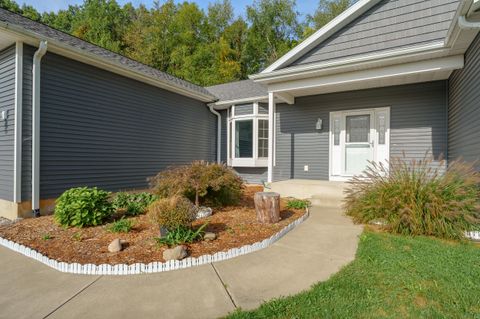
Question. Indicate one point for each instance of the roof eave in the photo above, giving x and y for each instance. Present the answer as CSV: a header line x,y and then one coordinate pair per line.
x,y
92,59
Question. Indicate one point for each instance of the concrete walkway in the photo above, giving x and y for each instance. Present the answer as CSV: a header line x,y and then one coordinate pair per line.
x,y
310,253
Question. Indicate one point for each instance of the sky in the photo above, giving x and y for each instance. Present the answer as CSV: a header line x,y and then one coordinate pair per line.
x,y
303,6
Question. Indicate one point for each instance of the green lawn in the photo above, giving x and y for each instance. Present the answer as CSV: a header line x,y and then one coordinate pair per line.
x,y
392,277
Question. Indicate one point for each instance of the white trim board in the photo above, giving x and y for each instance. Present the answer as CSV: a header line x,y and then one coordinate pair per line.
x,y
17,168
344,81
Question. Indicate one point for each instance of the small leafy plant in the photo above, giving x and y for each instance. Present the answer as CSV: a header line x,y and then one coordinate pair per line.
x,y
182,235
298,204
83,207
133,204
172,213
417,197
46,237
77,236
120,226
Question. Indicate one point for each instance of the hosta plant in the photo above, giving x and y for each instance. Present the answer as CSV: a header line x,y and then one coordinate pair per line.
x,y
82,207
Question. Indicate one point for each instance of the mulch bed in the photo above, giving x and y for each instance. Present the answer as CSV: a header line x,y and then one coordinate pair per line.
x,y
235,226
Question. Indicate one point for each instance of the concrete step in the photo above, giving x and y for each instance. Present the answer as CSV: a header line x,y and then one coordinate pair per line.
x,y
317,191
323,200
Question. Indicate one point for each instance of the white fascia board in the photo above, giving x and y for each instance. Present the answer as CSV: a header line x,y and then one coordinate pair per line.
x,y
241,101
454,30
324,33
354,63
286,97
440,64
94,60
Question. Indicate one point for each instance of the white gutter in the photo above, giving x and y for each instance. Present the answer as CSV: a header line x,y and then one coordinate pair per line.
x,y
464,24
17,168
37,58
219,132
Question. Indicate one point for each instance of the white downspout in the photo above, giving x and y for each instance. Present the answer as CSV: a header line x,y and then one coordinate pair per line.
x,y
37,58
271,135
219,132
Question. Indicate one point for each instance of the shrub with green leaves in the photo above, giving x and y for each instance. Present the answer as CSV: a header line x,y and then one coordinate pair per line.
x,y
298,204
133,204
182,235
172,212
82,207
120,226
417,197
201,182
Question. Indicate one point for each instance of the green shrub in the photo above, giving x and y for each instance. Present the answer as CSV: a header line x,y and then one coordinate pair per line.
x,y
133,204
172,212
82,207
201,182
182,235
416,198
298,204
120,226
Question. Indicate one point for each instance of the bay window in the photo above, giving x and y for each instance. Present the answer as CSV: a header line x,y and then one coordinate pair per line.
x,y
248,136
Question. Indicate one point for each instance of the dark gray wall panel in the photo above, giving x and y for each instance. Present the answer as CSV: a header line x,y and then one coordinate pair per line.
x,y
253,175
101,129
464,108
418,125
388,25
244,109
28,53
7,127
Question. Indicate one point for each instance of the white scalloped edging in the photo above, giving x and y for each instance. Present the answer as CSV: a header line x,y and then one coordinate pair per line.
x,y
153,267
473,235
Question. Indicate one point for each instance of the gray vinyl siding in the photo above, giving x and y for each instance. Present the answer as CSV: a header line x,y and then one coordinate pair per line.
x,y
7,127
418,122
391,24
102,129
244,109
28,53
464,108
253,175
262,108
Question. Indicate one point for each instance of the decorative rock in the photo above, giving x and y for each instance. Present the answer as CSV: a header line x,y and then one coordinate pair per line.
x,y
115,246
209,236
204,212
177,253
163,231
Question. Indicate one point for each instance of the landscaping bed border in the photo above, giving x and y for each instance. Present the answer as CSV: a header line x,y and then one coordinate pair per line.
x,y
153,267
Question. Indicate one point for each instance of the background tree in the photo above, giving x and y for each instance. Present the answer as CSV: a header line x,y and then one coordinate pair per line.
x,y
327,11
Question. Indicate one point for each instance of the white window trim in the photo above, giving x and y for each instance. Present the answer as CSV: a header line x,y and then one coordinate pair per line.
x,y
254,161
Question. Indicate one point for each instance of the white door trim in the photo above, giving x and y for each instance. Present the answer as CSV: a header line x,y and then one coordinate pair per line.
x,y
381,153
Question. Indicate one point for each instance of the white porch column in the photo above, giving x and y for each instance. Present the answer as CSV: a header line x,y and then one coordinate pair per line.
x,y
271,135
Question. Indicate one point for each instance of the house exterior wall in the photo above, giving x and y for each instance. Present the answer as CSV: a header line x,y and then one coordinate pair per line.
x,y
390,24
101,129
464,108
418,122
7,127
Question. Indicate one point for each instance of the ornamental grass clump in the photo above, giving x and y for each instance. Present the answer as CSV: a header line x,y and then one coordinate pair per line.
x,y
172,212
418,197
201,182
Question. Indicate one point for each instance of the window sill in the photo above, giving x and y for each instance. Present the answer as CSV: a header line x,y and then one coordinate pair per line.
x,y
249,162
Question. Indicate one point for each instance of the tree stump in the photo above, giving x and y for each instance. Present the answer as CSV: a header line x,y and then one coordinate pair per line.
x,y
267,206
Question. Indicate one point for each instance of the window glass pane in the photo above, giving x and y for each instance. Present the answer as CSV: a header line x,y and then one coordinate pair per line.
x,y
262,138
358,129
382,129
244,139
336,132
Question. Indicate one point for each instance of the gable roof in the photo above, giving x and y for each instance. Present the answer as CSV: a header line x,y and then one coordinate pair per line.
x,y
25,26
372,26
238,90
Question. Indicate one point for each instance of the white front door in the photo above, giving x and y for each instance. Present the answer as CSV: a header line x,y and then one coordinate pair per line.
x,y
357,138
